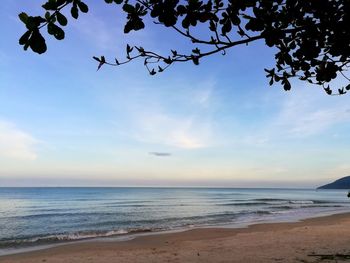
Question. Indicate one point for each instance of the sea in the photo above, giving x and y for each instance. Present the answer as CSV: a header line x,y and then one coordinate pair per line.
x,y
37,217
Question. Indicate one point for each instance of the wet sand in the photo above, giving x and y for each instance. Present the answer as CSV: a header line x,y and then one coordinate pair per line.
x,y
270,242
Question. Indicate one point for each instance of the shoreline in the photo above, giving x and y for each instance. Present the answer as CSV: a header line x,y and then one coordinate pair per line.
x,y
148,244
132,235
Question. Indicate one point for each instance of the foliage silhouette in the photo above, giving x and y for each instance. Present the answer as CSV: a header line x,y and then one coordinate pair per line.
x,y
311,38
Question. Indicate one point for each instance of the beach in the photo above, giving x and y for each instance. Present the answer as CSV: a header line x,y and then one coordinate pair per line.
x,y
309,240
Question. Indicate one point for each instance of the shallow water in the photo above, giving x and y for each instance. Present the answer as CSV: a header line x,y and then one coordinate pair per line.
x,y
37,216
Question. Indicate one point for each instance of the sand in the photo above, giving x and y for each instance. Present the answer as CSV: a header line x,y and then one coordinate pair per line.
x,y
273,242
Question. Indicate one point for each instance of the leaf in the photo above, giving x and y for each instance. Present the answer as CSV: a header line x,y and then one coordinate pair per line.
x,y
59,34
25,37
50,5
168,60
33,22
271,72
128,49
328,90
23,17
347,87
61,19
26,45
128,8
102,61
241,32
195,60
286,84
152,72
174,52
212,26
37,42
341,91
140,49
47,16
74,11
56,31
226,28
83,7
97,59
196,51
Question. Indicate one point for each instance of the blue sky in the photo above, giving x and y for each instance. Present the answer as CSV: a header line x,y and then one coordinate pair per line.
x,y
63,123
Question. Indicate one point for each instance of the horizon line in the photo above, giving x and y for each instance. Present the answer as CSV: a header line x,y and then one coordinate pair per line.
x,y
203,187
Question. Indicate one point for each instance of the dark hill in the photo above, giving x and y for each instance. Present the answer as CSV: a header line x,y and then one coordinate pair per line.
x,y
342,183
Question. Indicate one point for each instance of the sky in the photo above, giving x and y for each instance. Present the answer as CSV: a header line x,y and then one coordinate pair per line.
x,y
219,124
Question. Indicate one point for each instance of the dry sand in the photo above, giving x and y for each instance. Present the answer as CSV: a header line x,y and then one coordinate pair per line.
x,y
276,242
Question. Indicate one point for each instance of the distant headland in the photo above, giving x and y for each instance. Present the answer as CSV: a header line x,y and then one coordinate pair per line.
x,y
342,183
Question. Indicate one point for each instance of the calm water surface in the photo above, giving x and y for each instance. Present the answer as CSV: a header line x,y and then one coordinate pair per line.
x,y
32,216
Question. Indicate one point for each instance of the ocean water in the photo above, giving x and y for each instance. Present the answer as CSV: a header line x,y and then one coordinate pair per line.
x,y
37,216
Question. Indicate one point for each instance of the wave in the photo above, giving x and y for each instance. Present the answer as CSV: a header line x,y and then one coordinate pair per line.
x,y
69,214
245,204
147,225
289,207
270,199
64,237
268,202
144,205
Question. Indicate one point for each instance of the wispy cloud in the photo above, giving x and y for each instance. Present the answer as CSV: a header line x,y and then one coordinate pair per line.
x,y
180,115
301,114
15,143
97,32
305,115
181,132
204,92
107,35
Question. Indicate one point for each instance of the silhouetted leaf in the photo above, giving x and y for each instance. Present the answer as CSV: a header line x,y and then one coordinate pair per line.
x,y
74,12
23,17
196,51
328,90
83,7
61,19
128,49
128,8
168,60
56,31
24,38
50,5
102,61
37,42
47,16
341,91
174,52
